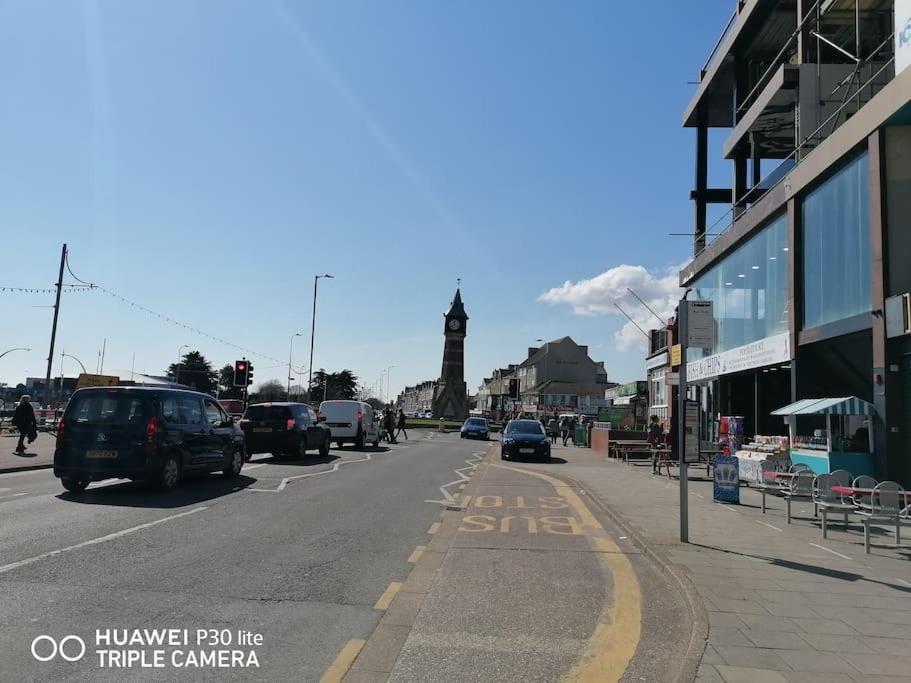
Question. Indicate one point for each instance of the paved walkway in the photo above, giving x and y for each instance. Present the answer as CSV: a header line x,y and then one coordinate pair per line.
x,y
37,455
782,604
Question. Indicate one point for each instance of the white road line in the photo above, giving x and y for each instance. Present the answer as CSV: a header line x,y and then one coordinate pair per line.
x,y
829,550
448,499
728,507
16,495
253,467
769,525
335,466
95,541
904,582
698,495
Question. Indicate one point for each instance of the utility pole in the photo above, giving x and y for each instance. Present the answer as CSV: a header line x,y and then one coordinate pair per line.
x,y
50,353
682,334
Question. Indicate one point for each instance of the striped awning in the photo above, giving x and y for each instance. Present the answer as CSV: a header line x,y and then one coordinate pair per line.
x,y
847,405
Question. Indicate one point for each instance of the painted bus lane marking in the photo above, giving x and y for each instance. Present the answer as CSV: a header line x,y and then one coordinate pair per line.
x,y
523,514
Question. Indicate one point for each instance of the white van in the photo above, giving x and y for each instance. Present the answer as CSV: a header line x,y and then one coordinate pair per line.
x,y
350,422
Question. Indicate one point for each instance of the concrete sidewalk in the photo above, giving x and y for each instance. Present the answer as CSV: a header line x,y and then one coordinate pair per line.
x,y
38,455
782,603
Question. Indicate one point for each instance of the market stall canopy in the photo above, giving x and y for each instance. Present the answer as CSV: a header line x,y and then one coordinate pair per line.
x,y
848,405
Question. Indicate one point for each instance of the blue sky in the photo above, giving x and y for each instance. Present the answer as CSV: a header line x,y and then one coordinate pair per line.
x,y
206,159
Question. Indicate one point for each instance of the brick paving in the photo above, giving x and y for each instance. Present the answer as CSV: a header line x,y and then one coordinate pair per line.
x,y
783,604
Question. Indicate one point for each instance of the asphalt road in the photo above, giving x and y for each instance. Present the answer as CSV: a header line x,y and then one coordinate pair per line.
x,y
297,558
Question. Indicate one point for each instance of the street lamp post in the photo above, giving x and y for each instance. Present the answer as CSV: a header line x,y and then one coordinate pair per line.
x,y
67,355
18,348
316,279
177,366
388,376
290,351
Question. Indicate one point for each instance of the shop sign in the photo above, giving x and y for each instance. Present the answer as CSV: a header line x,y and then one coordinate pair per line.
x,y
700,324
672,379
902,35
86,380
768,351
676,355
656,361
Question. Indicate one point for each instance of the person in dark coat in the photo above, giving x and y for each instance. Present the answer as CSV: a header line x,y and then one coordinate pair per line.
x,y
389,424
400,425
24,420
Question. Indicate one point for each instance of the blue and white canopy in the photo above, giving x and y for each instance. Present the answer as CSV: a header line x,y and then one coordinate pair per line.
x,y
847,405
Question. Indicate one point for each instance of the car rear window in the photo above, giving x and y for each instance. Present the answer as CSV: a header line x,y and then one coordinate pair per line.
x,y
268,413
112,408
477,422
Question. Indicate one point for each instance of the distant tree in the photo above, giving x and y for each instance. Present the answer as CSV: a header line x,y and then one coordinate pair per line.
x,y
271,390
334,385
226,386
375,403
195,371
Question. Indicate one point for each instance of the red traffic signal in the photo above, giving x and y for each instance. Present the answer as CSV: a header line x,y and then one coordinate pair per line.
x,y
241,373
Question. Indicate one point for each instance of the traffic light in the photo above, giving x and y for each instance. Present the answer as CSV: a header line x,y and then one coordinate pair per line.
x,y
241,373
249,374
514,389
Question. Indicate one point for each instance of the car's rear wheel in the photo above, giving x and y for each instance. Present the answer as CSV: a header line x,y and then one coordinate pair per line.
x,y
503,455
74,485
339,443
324,447
302,447
359,441
376,442
235,464
169,478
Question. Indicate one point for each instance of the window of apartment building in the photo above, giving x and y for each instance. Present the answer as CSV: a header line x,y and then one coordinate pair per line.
x,y
836,246
749,290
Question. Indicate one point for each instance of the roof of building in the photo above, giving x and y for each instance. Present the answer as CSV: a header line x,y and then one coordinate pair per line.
x,y
539,353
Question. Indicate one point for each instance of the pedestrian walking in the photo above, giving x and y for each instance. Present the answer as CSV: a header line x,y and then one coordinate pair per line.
x,y
552,429
570,431
24,420
564,428
400,426
389,424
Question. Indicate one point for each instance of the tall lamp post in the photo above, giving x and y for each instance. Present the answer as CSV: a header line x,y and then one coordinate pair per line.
x,y
388,376
18,348
316,279
67,355
290,351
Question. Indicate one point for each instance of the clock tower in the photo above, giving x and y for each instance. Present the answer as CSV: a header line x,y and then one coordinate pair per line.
x,y
450,399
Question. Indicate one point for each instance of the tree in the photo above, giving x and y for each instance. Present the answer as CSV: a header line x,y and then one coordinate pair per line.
x,y
194,371
375,403
271,390
334,385
226,383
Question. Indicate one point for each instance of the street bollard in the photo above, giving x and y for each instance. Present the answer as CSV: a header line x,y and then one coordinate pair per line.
x,y
441,425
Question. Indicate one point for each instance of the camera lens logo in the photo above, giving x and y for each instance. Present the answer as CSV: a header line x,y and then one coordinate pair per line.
x,y
45,648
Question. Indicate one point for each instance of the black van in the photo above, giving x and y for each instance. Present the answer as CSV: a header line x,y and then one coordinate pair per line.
x,y
144,433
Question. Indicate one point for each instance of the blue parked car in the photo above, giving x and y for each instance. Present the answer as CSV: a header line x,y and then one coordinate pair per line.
x,y
475,428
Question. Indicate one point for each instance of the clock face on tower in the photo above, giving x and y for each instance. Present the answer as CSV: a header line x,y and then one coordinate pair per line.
x,y
454,325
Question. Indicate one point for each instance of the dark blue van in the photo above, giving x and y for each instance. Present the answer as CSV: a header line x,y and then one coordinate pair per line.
x,y
144,433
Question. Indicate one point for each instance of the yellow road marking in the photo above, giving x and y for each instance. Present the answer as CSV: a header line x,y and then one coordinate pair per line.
x,y
614,642
435,527
336,672
387,596
416,555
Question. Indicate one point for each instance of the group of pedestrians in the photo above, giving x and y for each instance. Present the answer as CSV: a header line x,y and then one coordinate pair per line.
x,y
563,427
394,424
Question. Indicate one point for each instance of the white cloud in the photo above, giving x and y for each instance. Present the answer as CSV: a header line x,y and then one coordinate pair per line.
x,y
597,295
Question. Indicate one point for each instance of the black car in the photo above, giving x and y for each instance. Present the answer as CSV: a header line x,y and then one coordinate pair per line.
x,y
475,428
524,439
144,433
284,429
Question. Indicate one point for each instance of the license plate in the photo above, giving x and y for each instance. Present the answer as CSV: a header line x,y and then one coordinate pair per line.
x,y
526,450
101,454
262,429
